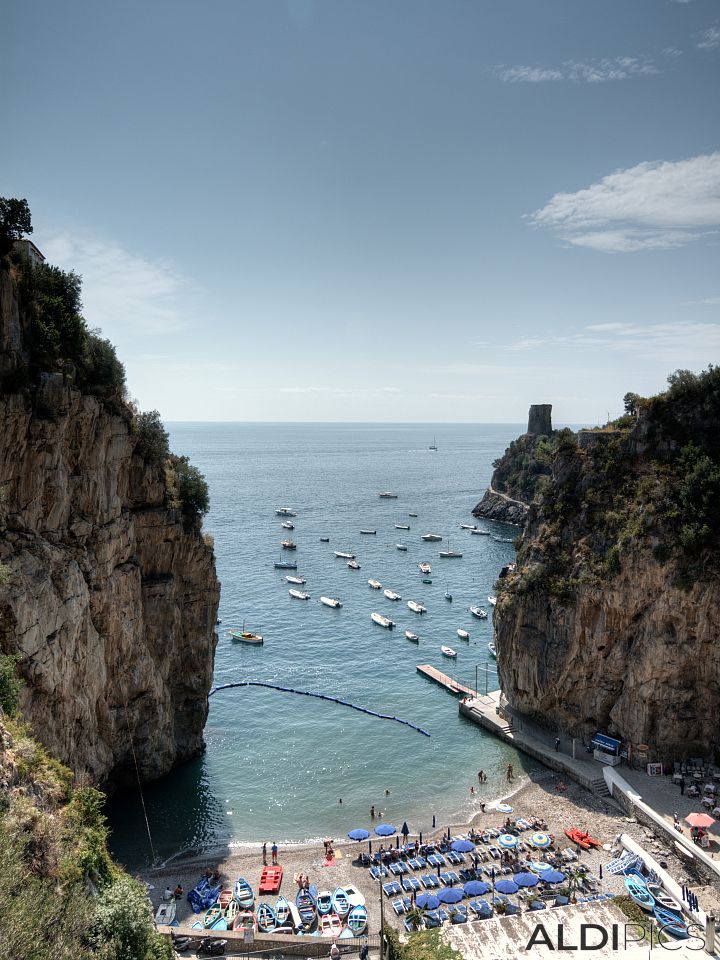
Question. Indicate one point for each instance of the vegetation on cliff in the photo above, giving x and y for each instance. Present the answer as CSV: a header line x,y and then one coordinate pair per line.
x,y
526,461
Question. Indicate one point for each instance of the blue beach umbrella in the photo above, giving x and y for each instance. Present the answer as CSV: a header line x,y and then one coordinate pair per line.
x,y
541,840
450,895
506,886
428,901
463,846
475,888
553,876
359,834
508,841
526,879
385,830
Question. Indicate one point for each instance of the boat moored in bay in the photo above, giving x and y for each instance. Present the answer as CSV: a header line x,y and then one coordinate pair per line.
x,y
382,621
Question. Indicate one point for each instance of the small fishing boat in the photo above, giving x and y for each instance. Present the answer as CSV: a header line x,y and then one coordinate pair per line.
x,y
340,902
331,602
299,594
245,636
285,512
324,902
244,920
492,601
212,916
478,612
450,554
431,537
402,526
400,546
368,532
266,918
324,539
330,925
412,637
493,649
282,911
448,651
391,595
285,565
306,908
244,893
416,607
344,556
424,567
412,514
640,893
375,584
663,899
382,621
467,526
480,533
230,912
670,923
448,595
166,912
388,495
357,920
295,918
298,580
355,898
353,565
288,525
463,634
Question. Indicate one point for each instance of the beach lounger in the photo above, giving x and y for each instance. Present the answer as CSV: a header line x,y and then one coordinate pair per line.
x,y
621,864
392,889
430,881
460,915
398,869
481,909
455,858
466,875
436,860
569,854
399,907
432,920
494,852
442,914
449,877
377,872
522,824
411,883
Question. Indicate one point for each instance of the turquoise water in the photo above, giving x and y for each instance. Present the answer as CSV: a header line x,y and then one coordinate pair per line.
x,y
276,764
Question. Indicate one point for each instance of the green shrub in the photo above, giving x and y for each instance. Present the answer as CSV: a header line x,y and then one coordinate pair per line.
x,y
100,372
123,924
153,441
187,489
10,684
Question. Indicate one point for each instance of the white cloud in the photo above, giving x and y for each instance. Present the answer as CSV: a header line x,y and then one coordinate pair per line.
x,y
598,70
710,40
121,291
654,205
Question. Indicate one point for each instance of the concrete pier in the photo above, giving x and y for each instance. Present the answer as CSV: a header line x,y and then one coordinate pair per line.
x,y
452,686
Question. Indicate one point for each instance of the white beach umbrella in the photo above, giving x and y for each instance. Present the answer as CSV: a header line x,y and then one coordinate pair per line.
x,y
508,841
541,840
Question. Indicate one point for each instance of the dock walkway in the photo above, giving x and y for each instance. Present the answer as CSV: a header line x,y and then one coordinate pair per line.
x,y
453,686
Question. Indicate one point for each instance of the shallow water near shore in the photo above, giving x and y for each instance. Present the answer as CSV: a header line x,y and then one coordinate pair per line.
x,y
277,764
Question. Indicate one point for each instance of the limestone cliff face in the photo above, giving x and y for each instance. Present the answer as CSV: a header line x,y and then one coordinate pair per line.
x,y
111,603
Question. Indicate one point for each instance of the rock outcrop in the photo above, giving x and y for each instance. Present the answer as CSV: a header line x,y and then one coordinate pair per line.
x,y
112,598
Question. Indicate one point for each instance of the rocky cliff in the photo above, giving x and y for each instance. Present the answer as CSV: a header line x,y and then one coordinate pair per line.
x,y
611,620
111,598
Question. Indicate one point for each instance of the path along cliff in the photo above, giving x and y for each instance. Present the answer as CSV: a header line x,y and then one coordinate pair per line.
x,y
109,593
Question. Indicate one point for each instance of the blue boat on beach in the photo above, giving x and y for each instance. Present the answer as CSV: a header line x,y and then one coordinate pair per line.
x,y
324,902
340,902
357,920
266,918
635,886
244,893
282,911
306,908
671,923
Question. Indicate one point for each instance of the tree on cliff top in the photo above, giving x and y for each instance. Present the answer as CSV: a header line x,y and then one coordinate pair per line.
x,y
15,220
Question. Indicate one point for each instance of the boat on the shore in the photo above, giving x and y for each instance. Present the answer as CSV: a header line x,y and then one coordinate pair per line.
x,y
402,526
368,532
330,925
331,602
416,607
448,652
323,902
382,621
288,525
166,912
375,584
478,612
400,546
492,601
285,512
413,637
306,908
244,893
230,912
299,580
492,649
425,568
266,918
388,495
391,595
245,636
285,565
357,919
344,556
663,898
212,916
431,537
282,911
581,838
288,545
463,634
299,594
340,902
671,923
637,889
353,565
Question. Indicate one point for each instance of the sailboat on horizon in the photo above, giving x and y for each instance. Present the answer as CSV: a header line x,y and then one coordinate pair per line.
x,y
433,445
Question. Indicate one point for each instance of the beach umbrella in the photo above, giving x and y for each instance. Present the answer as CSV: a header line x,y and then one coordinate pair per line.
x,y
405,829
699,820
507,841
526,879
475,888
504,808
359,834
541,840
506,886
463,846
450,895
385,830
539,866
553,876
428,901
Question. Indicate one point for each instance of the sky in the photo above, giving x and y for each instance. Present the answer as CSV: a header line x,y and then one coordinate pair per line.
x,y
377,210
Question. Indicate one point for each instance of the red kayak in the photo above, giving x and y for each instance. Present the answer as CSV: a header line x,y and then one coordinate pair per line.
x,y
581,838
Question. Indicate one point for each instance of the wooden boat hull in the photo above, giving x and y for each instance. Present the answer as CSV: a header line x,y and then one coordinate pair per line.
x,y
244,893
671,924
324,902
357,920
640,893
266,918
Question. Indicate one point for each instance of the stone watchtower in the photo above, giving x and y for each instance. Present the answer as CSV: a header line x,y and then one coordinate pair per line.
x,y
540,419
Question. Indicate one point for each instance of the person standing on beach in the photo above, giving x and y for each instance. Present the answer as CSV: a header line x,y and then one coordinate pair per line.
x,y
264,854
274,851
509,773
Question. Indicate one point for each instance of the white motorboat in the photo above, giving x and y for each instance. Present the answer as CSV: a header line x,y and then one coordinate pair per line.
x,y
400,546
375,584
288,545
431,537
467,526
402,526
298,580
368,532
288,525
285,512
450,554
388,495
324,539
391,595
448,651
492,601
463,634
344,556
425,568
480,533
416,607
353,564
382,621
448,595
493,649
299,595
331,602
412,636
478,612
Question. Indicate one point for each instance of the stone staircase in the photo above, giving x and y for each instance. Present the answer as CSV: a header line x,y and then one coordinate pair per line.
x,y
599,787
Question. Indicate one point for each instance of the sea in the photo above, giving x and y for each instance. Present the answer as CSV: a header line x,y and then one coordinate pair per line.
x,y
286,767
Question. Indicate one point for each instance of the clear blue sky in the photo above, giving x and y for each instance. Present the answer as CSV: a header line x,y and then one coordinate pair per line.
x,y
375,210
